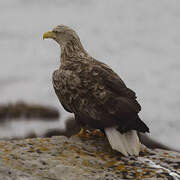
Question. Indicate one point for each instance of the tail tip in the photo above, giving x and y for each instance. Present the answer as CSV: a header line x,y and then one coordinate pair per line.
x,y
126,143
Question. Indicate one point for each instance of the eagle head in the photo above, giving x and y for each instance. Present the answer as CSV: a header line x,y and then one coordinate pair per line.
x,y
62,35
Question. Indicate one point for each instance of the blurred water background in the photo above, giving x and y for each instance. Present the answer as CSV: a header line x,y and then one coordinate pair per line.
x,y
140,40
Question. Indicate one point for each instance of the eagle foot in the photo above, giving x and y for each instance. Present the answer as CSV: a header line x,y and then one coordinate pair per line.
x,y
85,133
97,133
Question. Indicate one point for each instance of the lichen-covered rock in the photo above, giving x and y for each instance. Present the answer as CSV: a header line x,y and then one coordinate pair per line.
x,y
61,158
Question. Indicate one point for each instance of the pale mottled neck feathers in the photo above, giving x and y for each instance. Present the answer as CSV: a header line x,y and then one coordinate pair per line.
x,y
72,48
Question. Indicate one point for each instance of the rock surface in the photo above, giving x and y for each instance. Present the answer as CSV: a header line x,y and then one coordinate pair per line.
x,y
61,158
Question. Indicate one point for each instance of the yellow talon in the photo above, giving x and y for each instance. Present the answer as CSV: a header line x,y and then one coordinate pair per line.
x,y
97,133
81,132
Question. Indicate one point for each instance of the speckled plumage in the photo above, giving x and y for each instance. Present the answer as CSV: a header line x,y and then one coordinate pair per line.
x,y
92,90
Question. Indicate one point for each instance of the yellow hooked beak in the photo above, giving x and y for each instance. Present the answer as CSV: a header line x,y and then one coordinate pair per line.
x,y
49,34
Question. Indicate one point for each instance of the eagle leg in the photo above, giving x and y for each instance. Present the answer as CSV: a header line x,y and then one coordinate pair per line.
x,y
86,133
83,133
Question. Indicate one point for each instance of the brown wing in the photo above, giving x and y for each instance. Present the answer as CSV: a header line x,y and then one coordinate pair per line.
x,y
119,104
117,87
97,96
57,78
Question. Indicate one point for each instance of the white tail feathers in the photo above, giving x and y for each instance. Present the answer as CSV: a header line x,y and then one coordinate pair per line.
x,y
127,143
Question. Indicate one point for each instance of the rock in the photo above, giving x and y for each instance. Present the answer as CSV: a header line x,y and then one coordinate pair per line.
x,y
62,158
21,109
71,128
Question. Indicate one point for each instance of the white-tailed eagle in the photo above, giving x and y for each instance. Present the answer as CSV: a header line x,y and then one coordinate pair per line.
x,y
96,94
